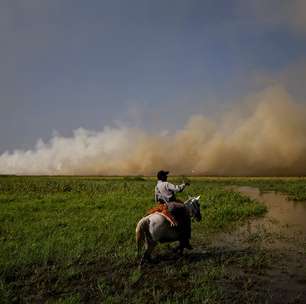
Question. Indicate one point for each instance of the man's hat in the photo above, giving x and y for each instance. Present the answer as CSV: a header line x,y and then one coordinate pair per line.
x,y
162,174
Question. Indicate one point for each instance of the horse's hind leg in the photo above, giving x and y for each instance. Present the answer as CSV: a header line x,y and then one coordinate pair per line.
x,y
147,254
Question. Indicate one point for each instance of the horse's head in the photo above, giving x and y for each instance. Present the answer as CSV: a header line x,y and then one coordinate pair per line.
x,y
193,206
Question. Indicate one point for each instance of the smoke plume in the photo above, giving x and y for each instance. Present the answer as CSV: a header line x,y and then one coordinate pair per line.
x,y
265,135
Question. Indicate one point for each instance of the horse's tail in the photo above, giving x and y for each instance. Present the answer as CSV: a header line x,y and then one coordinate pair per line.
x,y
142,229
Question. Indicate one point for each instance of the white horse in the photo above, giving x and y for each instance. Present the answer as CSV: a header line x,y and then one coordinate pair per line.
x,y
155,228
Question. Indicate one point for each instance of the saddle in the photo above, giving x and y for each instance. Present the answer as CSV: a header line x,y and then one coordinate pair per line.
x,y
162,209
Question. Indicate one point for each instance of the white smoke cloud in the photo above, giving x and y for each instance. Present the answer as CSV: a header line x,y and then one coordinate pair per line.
x,y
264,136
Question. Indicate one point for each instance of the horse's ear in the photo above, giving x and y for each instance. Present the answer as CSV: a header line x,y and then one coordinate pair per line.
x,y
198,197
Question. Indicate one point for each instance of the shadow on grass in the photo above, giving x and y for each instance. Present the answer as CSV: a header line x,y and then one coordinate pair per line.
x,y
217,254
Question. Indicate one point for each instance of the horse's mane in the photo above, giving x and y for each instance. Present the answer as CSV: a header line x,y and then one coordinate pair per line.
x,y
188,200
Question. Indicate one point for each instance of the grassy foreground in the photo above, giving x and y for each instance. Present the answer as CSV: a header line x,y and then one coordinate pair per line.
x,y
71,240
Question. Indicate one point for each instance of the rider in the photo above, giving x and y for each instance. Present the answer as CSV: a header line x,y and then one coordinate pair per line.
x,y
165,194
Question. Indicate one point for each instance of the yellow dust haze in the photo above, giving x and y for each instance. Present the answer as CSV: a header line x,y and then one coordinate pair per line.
x,y
264,135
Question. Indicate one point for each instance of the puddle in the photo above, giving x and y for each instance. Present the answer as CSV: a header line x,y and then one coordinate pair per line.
x,y
283,226
289,214
281,235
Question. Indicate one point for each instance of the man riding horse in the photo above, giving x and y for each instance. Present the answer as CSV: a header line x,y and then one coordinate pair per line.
x,y
165,194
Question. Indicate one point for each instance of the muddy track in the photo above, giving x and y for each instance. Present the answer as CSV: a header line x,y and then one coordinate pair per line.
x,y
264,259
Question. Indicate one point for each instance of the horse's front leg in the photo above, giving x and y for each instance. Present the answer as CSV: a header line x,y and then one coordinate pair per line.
x,y
179,248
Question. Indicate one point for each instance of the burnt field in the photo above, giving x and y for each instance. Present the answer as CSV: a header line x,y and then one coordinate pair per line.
x,y
72,240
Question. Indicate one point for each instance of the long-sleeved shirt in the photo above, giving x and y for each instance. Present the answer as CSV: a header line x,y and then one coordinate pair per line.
x,y
165,191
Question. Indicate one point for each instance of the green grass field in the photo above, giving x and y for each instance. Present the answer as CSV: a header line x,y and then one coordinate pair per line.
x,y
72,240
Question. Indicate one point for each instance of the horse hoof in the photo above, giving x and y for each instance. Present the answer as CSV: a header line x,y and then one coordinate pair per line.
x,y
176,249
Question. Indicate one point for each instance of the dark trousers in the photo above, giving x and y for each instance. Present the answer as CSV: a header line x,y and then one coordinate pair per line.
x,y
179,212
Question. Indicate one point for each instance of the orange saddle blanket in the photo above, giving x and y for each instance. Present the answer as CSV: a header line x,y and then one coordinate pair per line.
x,y
162,209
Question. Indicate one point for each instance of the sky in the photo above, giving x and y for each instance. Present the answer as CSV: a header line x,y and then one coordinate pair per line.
x,y
76,64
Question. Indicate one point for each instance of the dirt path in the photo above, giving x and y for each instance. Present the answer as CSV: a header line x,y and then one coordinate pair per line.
x,y
265,259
